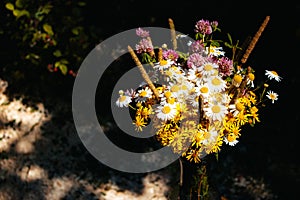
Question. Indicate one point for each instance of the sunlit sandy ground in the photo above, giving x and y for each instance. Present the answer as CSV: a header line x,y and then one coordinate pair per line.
x,y
35,165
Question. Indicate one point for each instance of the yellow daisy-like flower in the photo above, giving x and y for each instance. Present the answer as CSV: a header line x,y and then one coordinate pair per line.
x,y
242,118
139,123
193,155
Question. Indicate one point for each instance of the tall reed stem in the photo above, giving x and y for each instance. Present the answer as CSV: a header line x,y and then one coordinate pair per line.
x,y
143,72
254,40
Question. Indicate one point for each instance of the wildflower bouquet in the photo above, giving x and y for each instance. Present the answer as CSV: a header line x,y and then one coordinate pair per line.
x,y
204,98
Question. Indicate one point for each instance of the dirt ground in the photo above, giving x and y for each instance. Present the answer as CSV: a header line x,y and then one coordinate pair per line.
x,y
43,159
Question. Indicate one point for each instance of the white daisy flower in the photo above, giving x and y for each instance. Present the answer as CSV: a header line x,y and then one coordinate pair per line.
x,y
163,64
219,98
216,84
236,108
210,136
173,73
208,69
166,112
181,89
194,74
273,75
167,97
123,101
202,89
231,139
143,94
272,95
250,79
215,111
215,51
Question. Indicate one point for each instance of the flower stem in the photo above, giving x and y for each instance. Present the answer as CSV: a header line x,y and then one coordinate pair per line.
x,y
173,33
143,72
255,39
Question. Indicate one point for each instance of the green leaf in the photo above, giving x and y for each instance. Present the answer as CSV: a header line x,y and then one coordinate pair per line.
x,y
24,13
48,29
217,156
81,3
229,37
215,43
32,56
20,13
9,6
19,4
75,31
16,12
57,53
64,61
227,44
62,65
63,68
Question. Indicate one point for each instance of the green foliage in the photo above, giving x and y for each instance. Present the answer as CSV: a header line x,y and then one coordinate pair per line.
x,y
47,34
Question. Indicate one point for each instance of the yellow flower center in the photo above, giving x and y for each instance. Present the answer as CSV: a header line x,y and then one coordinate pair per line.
x,y
239,106
216,81
197,137
237,78
171,100
166,109
251,76
168,94
241,116
184,87
231,137
206,135
272,96
204,90
274,73
216,109
208,67
254,109
138,104
236,132
163,62
122,98
143,93
175,88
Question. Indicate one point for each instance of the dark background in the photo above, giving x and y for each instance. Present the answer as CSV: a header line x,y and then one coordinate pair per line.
x,y
269,150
